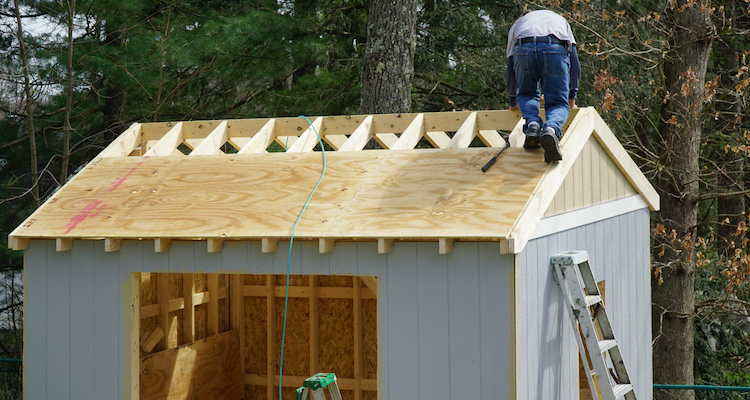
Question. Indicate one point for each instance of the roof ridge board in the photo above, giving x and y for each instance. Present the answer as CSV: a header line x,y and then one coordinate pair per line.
x,y
576,136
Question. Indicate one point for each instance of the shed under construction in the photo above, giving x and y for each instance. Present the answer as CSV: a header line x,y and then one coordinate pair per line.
x,y
160,270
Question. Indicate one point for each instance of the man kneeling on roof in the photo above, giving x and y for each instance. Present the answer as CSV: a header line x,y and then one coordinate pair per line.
x,y
542,53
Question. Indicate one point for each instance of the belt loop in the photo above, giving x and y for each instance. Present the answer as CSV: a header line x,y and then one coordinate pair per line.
x,y
549,39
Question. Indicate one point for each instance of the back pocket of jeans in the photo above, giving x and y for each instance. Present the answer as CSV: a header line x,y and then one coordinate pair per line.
x,y
556,63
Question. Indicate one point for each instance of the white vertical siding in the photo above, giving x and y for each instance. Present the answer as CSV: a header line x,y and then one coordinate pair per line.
x,y
618,250
444,321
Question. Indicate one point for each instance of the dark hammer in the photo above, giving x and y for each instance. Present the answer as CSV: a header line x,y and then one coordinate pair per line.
x,y
492,161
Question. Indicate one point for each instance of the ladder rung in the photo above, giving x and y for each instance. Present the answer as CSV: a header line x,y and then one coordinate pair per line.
x,y
622,389
605,345
591,300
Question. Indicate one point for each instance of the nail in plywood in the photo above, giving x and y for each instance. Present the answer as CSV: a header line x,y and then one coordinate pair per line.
x,y
360,137
269,245
411,135
445,246
111,244
206,369
385,245
63,244
260,142
167,145
465,134
212,144
309,139
326,245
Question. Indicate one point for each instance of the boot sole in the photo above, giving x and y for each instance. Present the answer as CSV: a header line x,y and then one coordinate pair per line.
x,y
551,149
532,142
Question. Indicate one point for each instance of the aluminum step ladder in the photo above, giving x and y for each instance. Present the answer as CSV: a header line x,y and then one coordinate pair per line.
x,y
315,385
591,324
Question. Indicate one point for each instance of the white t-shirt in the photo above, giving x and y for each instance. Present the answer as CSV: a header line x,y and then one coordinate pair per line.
x,y
539,23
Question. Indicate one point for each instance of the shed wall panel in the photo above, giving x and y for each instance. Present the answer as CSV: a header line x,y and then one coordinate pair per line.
x,y
456,339
618,251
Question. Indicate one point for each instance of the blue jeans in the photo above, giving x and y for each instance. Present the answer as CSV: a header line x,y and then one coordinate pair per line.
x,y
547,66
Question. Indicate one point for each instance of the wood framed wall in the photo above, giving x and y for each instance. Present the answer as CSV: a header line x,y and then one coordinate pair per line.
x,y
331,327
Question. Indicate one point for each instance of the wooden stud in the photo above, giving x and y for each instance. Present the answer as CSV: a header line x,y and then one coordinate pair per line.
x,y
167,145
63,244
411,135
463,137
213,142
314,363
162,297
111,244
260,142
269,245
271,336
358,352
360,137
309,139
124,144
385,245
238,314
215,245
213,305
438,139
188,313
162,244
153,340
326,245
491,138
17,243
135,329
371,283
445,245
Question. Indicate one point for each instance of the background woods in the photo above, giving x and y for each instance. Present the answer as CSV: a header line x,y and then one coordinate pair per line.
x,y
670,77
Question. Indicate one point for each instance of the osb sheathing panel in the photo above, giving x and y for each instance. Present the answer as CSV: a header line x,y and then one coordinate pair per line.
x,y
426,193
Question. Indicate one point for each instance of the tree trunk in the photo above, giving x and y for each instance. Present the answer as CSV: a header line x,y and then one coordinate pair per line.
x,y
673,301
68,95
29,108
389,57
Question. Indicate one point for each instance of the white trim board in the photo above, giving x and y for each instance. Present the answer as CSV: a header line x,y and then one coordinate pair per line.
x,y
584,216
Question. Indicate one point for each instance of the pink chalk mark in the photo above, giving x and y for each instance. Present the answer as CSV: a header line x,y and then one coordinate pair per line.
x,y
87,212
119,182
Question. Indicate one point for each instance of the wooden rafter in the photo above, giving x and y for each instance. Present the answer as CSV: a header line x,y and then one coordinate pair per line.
x,y
309,139
167,145
360,137
211,145
463,137
260,142
411,135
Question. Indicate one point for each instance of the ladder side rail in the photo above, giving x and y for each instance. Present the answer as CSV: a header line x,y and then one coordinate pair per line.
x,y
590,335
581,345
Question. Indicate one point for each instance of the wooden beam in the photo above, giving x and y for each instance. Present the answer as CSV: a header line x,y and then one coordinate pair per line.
x,y
269,245
153,340
335,141
463,137
162,244
516,136
63,244
411,135
369,385
188,313
111,244
215,245
238,314
17,243
438,139
162,297
326,245
125,143
211,145
213,305
271,336
260,142
386,139
385,245
286,141
371,283
309,139
168,144
360,137
132,352
491,138
445,245
358,352
314,360
304,291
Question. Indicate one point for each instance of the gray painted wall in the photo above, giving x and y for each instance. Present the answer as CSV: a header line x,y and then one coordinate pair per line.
x,y
618,251
444,321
